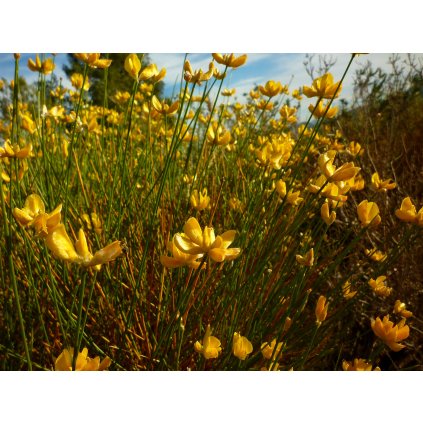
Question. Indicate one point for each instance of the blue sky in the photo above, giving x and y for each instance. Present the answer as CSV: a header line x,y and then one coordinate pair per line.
x,y
283,67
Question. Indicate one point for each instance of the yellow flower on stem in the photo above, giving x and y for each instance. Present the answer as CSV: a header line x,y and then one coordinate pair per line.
x,y
271,349
210,348
195,241
228,93
77,80
288,114
198,76
281,188
83,362
271,89
35,66
132,65
28,124
346,291
368,213
200,201
93,60
294,198
321,310
230,60
33,214
333,174
379,286
358,365
96,222
408,213
307,260
217,135
241,346
375,254
320,110
355,149
163,108
401,309
61,246
323,87
179,258
379,185
152,74
324,213
15,151
391,335
46,67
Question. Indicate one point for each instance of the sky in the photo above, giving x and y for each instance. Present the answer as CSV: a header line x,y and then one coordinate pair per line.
x,y
288,68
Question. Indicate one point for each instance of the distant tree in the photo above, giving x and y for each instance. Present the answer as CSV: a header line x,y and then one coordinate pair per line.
x,y
27,94
117,78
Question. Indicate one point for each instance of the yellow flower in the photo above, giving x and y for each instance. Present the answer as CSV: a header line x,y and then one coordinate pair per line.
x,y
210,347
46,67
330,191
200,201
346,291
198,76
163,108
319,110
355,149
59,243
358,365
281,188
96,222
83,362
179,258
379,185
356,183
294,198
391,335
401,309
407,212
8,150
152,74
77,79
288,114
297,95
228,93
35,66
324,213
28,124
321,310
343,173
33,214
269,350
132,65
230,60
264,105
254,94
271,89
368,213
375,254
307,260
379,286
195,241
93,60
217,135
323,87
241,346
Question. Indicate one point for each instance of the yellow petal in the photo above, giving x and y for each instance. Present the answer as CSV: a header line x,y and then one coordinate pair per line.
x,y
106,254
60,245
